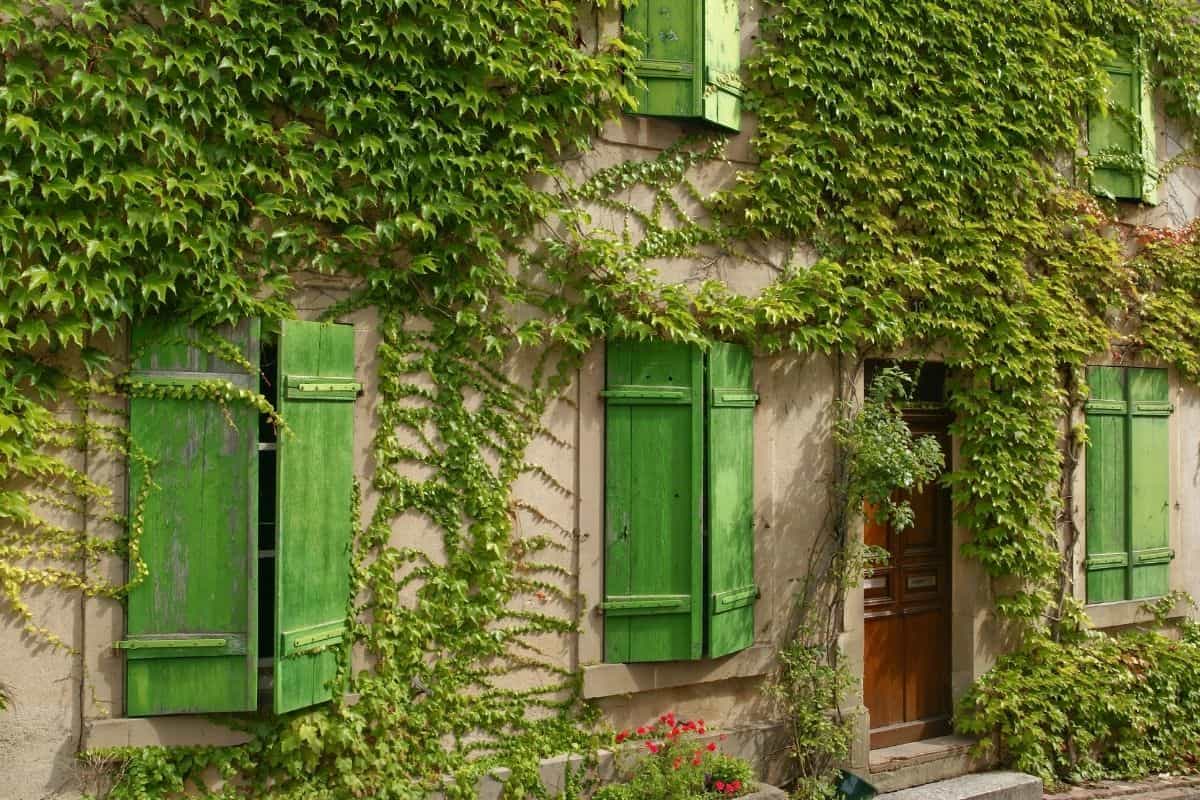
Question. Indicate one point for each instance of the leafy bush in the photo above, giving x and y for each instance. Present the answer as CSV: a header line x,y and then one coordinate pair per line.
x,y
675,766
1105,706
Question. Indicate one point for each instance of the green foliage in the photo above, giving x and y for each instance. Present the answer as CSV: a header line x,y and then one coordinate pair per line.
x,y
1116,706
675,766
882,456
202,160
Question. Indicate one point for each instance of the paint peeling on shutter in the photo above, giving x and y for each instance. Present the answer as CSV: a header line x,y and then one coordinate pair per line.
x,y
191,624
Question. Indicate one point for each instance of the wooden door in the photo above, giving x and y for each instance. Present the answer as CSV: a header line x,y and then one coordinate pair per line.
x,y
906,681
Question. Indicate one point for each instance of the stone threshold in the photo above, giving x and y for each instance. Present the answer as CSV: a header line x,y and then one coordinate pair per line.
x,y
927,761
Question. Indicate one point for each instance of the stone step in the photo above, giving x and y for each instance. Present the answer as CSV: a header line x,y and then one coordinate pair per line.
x,y
980,786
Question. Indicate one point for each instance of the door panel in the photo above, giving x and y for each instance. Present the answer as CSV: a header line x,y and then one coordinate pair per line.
x,y
906,680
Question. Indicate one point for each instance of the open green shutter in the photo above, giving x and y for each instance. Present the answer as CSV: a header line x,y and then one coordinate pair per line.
x,y
1106,465
1126,130
191,643
730,459
722,60
653,606
671,33
315,490
1149,483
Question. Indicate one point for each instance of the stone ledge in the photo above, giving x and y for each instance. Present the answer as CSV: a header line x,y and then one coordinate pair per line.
x,y
606,680
1128,612
175,731
981,786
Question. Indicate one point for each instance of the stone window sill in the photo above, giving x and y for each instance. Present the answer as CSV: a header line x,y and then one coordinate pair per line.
x,y
1128,612
173,731
606,680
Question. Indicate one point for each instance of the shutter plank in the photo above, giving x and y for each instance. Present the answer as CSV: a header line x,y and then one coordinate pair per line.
x,y
1149,483
1107,549
198,539
315,490
731,590
653,496
722,61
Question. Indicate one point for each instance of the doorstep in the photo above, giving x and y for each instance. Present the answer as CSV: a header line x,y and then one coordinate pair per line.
x,y
980,786
927,761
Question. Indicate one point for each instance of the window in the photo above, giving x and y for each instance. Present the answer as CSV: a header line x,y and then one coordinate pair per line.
x,y
1128,484
1121,137
690,60
678,502
246,539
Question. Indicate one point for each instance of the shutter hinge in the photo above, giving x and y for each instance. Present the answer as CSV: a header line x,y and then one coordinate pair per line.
x,y
303,387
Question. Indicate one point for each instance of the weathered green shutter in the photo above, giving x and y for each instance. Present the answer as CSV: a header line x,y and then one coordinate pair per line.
x,y
1107,477
1149,483
1128,484
671,32
191,643
653,604
1127,129
730,459
722,60
315,488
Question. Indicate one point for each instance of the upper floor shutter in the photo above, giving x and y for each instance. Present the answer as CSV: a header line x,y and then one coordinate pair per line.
x,y
690,60
1125,130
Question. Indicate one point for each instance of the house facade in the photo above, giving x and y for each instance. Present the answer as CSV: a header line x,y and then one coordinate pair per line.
x,y
686,489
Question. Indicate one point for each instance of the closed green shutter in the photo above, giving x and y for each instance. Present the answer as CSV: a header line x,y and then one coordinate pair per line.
x,y
1128,484
191,643
730,460
1107,469
671,33
1149,483
1125,130
722,60
315,489
690,60
653,604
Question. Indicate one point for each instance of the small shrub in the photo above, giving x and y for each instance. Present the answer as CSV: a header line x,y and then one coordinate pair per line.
x,y
1114,707
674,765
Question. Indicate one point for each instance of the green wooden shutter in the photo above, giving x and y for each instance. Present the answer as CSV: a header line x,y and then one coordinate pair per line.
x,y
1128,484
1149,483
653,604
1126,129
1106,478
191,643
315,490
671,32
730,460
722,60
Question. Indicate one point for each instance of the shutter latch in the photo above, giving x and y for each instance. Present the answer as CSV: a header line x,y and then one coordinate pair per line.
x,y
304,387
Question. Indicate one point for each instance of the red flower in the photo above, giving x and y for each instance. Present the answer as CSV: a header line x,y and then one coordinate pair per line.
x,y
712,746
652,747
622,736
641,731
678,761
696,761
737,785
720,786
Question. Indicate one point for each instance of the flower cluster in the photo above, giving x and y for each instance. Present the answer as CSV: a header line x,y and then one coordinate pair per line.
x,y
672,748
